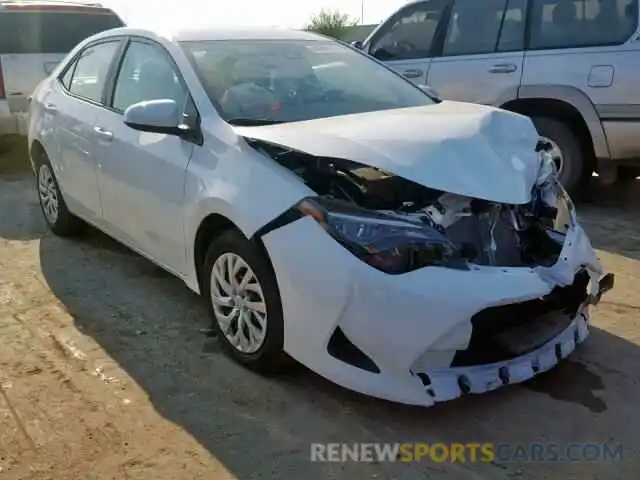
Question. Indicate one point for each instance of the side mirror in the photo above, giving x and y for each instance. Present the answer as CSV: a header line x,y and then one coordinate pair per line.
x,y
156,116
357,44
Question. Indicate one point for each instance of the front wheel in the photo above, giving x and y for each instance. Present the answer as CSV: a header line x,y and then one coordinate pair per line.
x,y
243,298
566,150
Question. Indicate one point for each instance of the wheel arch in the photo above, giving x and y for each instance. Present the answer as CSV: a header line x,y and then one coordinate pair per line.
x,y
210,227
567,104
36,148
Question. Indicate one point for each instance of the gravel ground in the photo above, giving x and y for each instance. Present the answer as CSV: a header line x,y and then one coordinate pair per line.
x,y
104,374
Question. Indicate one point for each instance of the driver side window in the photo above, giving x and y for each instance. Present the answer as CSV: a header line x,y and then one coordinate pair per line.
x,y
146,74
410,33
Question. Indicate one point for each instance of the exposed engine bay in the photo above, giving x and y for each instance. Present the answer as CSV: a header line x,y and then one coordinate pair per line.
x,y
483,232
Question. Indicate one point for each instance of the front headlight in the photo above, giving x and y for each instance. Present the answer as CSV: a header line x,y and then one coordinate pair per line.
x,y
387,242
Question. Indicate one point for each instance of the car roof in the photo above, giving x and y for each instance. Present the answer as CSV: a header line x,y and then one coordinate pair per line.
x,y
213,33
50,3
243,33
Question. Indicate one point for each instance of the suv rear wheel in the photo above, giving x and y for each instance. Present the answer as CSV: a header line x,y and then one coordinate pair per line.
x,y
567,151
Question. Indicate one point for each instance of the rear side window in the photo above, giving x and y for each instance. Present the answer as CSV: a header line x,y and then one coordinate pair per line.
x,y
51,31
582,23
485,27
90,71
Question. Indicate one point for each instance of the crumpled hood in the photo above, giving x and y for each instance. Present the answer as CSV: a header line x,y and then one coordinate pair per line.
x,y
462,148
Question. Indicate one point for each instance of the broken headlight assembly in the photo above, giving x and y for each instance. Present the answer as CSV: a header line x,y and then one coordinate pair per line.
x,y
551,203
386,241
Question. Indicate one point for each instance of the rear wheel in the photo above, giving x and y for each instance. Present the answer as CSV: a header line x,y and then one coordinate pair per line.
x,y
244,301
567,152
58,217
628,174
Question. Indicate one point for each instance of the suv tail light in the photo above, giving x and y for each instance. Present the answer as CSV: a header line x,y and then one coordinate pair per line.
x,y
1,81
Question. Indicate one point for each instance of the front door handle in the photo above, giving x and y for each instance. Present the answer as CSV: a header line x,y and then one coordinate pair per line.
x,y
50,107
412,73
103,133
503,68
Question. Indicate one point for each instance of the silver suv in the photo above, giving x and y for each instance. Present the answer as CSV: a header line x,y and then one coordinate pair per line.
x,y
34,37
571,65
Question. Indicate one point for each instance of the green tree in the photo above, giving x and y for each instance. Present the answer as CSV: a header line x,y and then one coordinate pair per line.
x,y
332,23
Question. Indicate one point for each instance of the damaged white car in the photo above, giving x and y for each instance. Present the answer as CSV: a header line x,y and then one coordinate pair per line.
x,y
327,209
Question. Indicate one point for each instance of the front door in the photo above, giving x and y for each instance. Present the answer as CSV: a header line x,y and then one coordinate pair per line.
x,y
482,53
142,174
406,40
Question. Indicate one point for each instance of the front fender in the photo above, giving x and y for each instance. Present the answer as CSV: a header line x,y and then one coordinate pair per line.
x,y
239,183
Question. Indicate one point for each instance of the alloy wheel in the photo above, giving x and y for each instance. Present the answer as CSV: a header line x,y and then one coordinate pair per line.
x,y
48,192
239,304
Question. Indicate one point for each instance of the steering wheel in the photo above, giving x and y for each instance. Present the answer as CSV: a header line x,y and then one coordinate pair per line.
x,y
404,46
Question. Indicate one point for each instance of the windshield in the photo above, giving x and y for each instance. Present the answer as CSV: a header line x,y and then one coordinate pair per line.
x,y
255,82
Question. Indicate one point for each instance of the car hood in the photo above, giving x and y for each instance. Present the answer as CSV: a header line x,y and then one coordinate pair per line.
x,y
467,149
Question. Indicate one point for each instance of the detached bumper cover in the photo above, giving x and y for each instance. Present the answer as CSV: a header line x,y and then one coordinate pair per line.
x,y
396,336
447,384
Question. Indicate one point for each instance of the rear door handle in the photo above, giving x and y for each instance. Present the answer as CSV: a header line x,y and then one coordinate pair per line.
x,y
103,133
50,107
413,73
503,68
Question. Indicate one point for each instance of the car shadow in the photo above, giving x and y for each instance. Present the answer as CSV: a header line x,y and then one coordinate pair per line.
x,y
149,323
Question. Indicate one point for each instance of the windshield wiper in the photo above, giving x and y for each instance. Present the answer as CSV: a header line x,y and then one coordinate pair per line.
x,y
252,122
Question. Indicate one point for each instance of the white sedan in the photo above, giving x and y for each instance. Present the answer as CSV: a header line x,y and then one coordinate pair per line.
x,y
328,210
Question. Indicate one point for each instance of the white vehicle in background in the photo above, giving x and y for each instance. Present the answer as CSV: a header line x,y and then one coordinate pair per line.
x,y
570,65
34,37
326,208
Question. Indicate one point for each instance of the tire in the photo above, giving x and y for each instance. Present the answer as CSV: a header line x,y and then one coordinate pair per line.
x,y
265,356
63,223
628,174
573,165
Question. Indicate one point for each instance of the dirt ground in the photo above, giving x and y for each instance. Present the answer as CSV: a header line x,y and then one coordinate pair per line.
x,y
104,374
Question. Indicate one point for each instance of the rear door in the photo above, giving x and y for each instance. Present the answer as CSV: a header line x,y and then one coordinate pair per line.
x,y
482,53
407,39
72,109
35,38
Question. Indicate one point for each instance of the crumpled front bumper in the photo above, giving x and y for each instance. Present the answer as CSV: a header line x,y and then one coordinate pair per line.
x,y
409,327
448,383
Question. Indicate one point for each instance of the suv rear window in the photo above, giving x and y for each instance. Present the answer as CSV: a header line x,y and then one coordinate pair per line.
x,y
36,31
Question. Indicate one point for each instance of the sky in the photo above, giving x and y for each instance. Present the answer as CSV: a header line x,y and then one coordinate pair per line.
x,y
282,13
